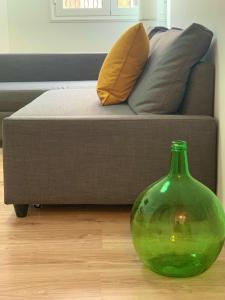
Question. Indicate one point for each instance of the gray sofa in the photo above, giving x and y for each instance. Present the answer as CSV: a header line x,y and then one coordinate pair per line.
x,y
65,148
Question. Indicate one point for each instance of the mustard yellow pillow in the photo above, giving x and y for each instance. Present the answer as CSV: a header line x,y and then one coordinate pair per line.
x,y
123,65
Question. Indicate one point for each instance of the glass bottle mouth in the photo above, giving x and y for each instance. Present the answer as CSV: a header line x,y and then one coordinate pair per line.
x,y
179,145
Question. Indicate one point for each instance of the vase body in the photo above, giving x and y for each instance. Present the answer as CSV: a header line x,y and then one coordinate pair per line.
x,y
177,223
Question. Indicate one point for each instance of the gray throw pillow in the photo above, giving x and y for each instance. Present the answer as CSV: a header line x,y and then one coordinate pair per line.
x,y
161,87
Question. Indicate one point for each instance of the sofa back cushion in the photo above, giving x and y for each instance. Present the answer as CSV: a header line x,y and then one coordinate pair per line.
x,y
199,95
162,85
32,67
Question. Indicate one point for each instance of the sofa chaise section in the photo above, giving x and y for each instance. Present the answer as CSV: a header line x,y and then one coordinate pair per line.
x,y
55,152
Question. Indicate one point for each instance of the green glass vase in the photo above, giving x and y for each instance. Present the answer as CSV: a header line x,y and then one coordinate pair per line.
x,y
177,223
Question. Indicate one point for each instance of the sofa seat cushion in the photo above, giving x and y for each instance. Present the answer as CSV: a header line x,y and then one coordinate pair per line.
x,y
70,103
15,95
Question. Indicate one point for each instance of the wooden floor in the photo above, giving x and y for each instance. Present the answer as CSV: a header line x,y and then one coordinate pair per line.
x,y
70,253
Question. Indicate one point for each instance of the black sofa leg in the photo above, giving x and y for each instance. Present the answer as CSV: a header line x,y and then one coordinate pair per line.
x,y
21,210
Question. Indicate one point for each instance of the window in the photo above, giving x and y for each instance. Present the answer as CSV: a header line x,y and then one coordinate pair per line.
x,y
95,9
162,10
124,7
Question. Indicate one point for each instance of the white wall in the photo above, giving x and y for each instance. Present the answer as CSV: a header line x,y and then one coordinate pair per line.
x,y
30,30
211,14
4,35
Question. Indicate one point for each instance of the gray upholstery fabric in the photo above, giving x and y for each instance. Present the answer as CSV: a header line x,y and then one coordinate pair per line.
x,y
99,160
151,31
67,103
15,95
161,87
199,96
50,67
2,116
14,100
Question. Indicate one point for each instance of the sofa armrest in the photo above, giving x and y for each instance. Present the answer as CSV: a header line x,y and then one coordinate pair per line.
x,y
50,67
122,153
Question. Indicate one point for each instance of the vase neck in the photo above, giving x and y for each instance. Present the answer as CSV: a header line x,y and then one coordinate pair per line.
x,y
179,160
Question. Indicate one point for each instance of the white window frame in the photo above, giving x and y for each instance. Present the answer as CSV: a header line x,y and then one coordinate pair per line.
x,y
109,12
61,12
115,11
162,16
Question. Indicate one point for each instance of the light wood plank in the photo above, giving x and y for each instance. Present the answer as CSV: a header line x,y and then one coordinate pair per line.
x,y
85,253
